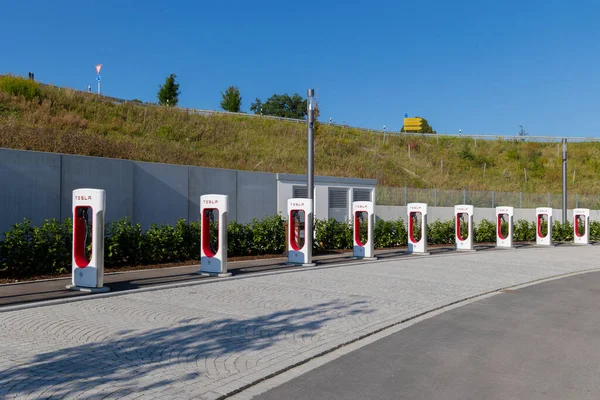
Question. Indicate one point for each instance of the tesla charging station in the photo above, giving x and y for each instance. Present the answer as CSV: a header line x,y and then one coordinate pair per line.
x,y
543,216
464,215
364,221
417,218
88,232
581,226
504,239
300,232
213,234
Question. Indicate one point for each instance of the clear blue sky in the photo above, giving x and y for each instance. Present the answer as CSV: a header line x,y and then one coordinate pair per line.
x,y
479,66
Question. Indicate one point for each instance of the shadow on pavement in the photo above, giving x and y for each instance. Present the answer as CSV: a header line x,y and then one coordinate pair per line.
x,y
162,356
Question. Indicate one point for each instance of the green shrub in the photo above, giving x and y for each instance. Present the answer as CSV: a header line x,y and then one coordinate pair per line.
x,y
333,235
53,247
439,232
28,250
524,231
580,229
543,228
485,232
268,235
594,230
16,251
562,232
464,228
123,243
401,232
239,239
385,234
17,86
189,236
504,228
162,244
363,233
126,243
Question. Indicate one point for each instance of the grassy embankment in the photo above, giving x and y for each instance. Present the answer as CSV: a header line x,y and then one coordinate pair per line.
x,y
61,120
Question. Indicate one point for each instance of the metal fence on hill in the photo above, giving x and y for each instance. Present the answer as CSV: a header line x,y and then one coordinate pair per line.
x,y
400,196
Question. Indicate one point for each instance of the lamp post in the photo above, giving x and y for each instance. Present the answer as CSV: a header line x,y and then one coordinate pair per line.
x,y
564,180
310,122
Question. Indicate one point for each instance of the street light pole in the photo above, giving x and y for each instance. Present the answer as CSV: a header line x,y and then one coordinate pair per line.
x,y
564,181
310,122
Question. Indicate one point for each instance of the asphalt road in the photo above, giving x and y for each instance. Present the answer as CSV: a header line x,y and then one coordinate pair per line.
x,y
538,342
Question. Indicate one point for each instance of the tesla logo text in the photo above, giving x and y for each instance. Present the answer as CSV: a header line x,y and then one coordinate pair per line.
x,y
83,197
210,201
297,204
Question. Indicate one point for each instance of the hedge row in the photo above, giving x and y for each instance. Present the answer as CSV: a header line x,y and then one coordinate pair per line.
x,y
45,250
40,250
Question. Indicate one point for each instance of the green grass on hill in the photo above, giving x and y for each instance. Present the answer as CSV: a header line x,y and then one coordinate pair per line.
x,y
46,118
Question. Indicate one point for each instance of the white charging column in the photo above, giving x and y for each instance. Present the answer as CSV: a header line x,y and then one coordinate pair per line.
x,y
581,217
543,214
88,269
300,232
504,214
364,213
417,244
463,213
213,251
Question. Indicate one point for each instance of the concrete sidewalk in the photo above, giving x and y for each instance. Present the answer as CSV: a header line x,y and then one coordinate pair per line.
x,y
51,289
217,337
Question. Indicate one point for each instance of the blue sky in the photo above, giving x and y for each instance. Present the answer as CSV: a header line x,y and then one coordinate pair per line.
x,y
480,66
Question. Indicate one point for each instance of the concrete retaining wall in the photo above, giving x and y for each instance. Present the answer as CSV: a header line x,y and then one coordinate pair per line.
x,y
38,186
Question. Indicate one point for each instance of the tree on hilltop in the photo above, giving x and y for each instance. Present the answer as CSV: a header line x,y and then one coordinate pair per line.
x,y
231,100
522,131
168,94
256,106
281,105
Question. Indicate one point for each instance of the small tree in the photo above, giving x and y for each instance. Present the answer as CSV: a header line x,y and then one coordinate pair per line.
x,y
256,106
231,99
168,94
522,131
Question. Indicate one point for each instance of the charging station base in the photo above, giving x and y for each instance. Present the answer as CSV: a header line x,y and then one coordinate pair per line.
x,y
301,265
214,274
102,289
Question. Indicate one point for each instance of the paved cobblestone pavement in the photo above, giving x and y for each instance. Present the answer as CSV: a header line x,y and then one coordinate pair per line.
x,y
209,340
